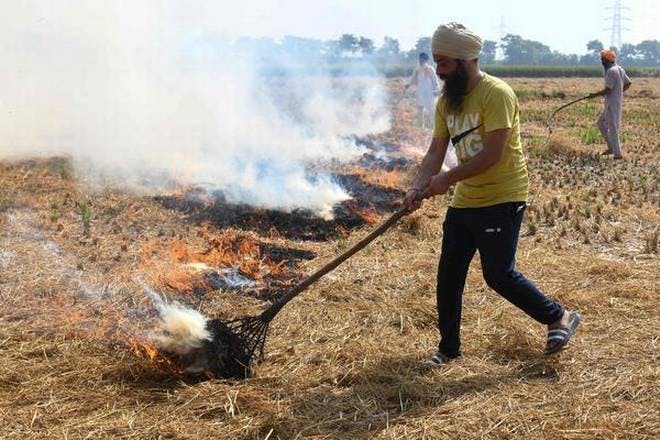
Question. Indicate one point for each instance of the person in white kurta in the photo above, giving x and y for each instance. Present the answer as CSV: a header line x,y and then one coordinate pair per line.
x,y
616,82
426,83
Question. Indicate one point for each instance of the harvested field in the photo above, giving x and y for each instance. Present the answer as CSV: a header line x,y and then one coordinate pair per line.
x,y
344,359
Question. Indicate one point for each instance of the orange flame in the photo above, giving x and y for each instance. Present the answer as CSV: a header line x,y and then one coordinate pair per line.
x,y
181,189
184,281
227,248
383,178
368,216
149,352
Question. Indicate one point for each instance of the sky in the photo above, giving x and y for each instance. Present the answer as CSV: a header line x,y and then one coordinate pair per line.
x,y
564,25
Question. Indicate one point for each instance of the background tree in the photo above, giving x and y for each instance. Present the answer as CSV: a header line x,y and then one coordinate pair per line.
x,y
348,44
627,54
423,45
488,52
517,50
595,46
649,52
366,46
390,49
303,47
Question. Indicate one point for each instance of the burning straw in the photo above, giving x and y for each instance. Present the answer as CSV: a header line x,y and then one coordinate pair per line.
x,y
228,349
236,345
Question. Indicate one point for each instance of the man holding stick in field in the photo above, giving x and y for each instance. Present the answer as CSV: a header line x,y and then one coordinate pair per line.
x,y
616,82
479,113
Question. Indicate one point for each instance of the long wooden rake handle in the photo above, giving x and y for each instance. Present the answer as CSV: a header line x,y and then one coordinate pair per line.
x,y
552,115
268,314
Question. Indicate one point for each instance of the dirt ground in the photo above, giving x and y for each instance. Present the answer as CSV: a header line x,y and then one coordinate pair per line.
x,y
344,359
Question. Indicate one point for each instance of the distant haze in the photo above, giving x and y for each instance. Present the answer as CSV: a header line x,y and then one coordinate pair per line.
x,y
138,94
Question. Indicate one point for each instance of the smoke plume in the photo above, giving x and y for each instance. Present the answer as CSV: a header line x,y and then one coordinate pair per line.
x,y
144,95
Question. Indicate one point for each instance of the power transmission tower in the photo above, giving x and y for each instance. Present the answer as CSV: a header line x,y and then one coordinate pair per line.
x,y
616,23
502,28
499,53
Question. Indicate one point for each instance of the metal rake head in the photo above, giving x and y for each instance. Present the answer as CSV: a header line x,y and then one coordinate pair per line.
x,y
235,346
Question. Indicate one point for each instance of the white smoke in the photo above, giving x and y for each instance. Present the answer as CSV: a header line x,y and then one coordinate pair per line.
x,y
179,329
141,95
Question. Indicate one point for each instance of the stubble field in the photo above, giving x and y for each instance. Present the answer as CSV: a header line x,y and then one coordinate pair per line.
x,y
344,359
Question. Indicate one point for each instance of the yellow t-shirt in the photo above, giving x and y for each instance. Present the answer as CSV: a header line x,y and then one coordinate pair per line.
x,y
493,105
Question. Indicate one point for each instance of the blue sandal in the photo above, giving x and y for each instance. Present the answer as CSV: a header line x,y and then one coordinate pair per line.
x,y
558,338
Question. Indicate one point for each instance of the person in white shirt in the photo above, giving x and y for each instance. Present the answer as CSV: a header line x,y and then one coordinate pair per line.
x,y
616,82
426,82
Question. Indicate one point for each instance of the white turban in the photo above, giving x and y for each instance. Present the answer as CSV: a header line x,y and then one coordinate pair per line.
x,y
456,41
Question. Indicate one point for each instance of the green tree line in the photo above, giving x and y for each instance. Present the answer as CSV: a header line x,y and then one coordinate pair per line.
x,y
515,50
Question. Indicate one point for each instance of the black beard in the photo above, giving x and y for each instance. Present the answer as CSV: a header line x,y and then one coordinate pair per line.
x,y
455,86
606,66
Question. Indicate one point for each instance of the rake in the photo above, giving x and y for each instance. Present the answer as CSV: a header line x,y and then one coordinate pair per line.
x,y
549,124
238,344
550,119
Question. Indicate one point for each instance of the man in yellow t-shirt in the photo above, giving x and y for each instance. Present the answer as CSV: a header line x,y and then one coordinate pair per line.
x,y
480,114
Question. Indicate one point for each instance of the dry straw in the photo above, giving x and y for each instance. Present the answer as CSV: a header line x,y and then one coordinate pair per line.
x,y
344,359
